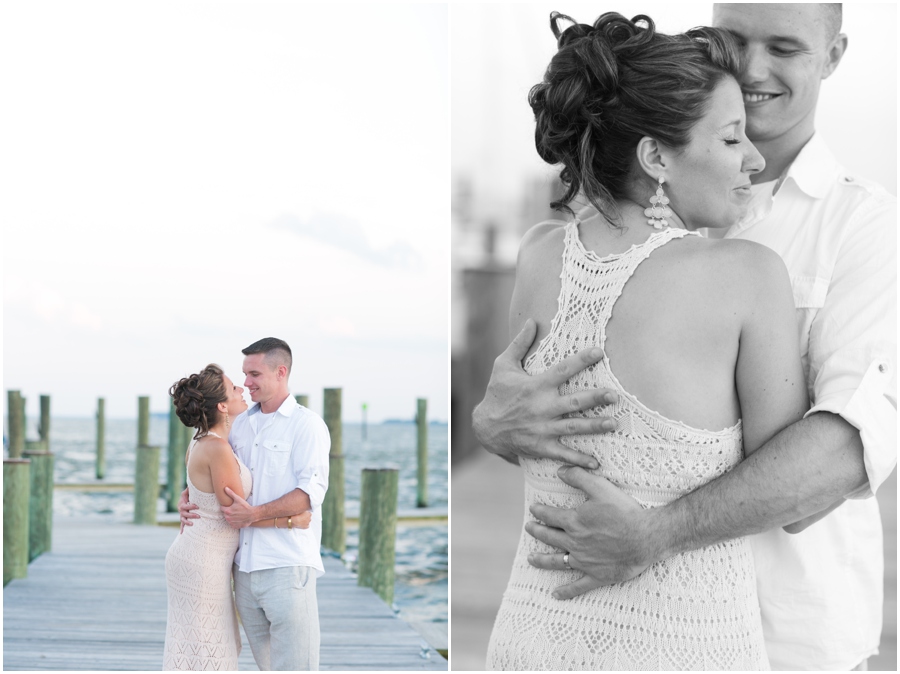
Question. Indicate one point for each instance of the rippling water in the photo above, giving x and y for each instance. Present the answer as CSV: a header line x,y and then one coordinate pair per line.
x,y
421,550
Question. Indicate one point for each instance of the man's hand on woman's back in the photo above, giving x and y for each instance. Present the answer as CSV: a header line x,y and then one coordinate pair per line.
x,y
523,415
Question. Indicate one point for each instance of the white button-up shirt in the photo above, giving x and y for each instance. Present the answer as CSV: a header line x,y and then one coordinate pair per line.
x,y
288,451
821,591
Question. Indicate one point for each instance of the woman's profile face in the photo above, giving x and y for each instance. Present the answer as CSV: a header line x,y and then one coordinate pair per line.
x,y
708,182
235,401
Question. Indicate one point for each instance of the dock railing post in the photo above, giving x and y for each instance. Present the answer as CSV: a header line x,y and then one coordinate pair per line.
x,y
44,424
146,484
422,452
302,399
143,437
187,436
40,500
334,534
378,530
16,488
175,461
101,438
16,423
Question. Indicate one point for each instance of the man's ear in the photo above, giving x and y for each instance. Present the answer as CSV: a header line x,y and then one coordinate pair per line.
x,y
651,157
835,54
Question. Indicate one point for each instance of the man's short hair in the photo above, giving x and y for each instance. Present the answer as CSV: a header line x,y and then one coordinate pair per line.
x,y
277,352
833,16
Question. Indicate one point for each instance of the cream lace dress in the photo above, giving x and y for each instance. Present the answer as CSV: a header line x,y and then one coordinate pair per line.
x,y
202,631
693,611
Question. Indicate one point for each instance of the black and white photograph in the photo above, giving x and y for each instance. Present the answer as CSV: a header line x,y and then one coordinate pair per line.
x,y
674,337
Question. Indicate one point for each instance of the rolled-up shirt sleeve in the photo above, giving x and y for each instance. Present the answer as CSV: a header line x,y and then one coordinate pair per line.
x,y
853,342
310,460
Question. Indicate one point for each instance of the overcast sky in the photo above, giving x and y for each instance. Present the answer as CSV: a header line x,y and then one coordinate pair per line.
x,y
180,179
499,51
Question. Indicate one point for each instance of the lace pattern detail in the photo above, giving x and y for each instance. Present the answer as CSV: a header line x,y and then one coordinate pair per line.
x,y
694,611
202,630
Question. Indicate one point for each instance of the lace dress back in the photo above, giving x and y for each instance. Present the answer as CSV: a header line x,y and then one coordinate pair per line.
x,y
202,629
693,611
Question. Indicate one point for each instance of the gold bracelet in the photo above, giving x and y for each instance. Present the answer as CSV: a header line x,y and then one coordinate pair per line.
x,y
276,522
289,523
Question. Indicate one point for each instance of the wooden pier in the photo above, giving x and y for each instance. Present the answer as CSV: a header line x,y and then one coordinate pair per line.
x,y
98,602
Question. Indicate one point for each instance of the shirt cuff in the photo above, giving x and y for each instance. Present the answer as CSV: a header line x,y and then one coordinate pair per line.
x,y
314,489
872,412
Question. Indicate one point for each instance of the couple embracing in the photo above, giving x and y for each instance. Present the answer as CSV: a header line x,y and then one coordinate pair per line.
x,y
252,514
699,485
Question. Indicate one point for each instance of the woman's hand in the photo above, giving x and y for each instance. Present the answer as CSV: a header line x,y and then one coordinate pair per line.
x,y
302,520
184,509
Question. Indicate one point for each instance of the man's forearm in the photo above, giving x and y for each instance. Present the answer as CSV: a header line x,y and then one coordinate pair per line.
x,y
803,470
294,502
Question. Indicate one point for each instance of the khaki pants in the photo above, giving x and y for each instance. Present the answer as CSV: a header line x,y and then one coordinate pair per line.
x,y
280,616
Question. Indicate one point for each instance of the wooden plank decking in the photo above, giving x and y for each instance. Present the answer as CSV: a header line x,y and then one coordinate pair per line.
x,y
98,602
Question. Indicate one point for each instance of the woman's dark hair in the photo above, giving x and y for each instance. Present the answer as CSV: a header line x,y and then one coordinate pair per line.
x,y
197,396
614,82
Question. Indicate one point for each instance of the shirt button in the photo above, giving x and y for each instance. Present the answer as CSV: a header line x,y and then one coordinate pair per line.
x,y
882,367
848,179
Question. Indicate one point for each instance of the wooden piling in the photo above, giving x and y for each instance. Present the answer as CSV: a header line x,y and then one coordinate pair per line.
x,y
16,423
146,484
365,423
143,437
187,435
175,460
378,530
44,423
101,438
334,532
422,452
302,399
16,489
40,501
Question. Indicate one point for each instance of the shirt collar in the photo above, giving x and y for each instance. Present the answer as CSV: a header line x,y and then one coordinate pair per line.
x,y
285,409
814,170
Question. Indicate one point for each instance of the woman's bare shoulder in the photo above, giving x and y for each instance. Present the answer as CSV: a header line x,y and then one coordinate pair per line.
x,y
211,449
737,272
733,256
545,239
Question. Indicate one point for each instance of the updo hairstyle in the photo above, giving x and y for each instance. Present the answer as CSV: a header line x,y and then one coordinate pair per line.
x,y
614,82
196,398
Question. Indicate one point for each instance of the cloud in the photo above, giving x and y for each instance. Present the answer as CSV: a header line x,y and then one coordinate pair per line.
x,y
347,234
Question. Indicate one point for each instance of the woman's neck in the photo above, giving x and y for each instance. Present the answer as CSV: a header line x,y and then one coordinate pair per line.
x,y
220,429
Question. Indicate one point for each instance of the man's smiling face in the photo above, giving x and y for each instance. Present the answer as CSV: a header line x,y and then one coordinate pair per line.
x,y
786,55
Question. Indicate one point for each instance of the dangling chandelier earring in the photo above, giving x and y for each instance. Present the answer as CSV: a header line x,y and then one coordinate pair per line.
x,y
659,211
226,420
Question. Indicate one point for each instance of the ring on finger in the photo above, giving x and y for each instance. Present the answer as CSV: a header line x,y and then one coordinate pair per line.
x,y
566,561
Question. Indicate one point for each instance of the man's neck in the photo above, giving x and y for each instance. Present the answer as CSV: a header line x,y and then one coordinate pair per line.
x,y
780,153
273,403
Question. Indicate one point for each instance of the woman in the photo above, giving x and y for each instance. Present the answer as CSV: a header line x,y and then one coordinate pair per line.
x,y
202,630
698,334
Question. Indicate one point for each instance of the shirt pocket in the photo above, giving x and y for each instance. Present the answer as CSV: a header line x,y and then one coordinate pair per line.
x,y
809,291
278,454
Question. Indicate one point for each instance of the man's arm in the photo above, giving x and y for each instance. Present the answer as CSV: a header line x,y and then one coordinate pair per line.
x,y
523,415
803,470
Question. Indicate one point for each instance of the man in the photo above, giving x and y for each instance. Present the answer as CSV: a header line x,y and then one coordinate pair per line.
x,y
821,590
286,447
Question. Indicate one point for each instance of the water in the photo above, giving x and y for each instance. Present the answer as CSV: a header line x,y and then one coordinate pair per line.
x,y
420,592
